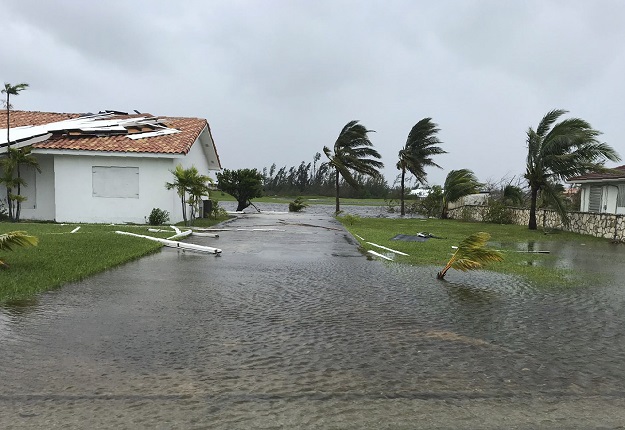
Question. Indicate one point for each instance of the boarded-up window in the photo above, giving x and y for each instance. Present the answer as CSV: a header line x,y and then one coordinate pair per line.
x,y
29,189
620,200
121,182
594,200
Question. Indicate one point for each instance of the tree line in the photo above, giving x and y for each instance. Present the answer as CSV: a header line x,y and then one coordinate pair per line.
x,y
556,151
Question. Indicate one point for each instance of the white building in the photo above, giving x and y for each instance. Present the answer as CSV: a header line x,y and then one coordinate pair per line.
x,y
109,167
602,192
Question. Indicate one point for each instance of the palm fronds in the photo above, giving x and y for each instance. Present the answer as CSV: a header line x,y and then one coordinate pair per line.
x,y
471,254
15,238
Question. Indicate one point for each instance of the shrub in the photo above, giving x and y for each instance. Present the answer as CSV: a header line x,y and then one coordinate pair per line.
x,y
297,205
158,217
350,219
217,211
498,213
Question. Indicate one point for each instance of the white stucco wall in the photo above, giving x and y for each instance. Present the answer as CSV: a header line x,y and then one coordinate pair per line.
x,y
74,193
44,191
40,194
609,196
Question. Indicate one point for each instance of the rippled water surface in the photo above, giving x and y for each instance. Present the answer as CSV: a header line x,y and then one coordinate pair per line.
x,y
293,328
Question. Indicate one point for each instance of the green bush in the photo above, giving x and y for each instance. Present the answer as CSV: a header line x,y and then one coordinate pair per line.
x,y
498,213
158,217
297,205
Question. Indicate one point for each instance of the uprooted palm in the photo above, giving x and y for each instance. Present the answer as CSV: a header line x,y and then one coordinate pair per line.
x,y
15,238
472,254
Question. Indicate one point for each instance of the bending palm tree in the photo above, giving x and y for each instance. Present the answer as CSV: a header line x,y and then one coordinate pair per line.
x,y
556,152
471,254
458,183
15,238
417,153
11,90
353,151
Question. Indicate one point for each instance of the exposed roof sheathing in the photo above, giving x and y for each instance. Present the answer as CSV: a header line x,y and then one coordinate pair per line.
x,y
110,132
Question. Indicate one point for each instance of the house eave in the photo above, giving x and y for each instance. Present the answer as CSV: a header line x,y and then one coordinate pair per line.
x,y
73,152
595,181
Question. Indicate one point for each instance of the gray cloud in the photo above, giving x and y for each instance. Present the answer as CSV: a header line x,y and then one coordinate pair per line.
x,y
278,79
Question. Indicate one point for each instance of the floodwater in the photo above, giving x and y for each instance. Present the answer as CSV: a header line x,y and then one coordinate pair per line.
x,y
293,328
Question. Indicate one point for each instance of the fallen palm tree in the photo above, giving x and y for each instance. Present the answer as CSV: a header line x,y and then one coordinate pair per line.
x,y
471,254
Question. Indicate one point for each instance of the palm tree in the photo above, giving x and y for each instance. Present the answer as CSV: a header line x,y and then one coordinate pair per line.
x,y
471,254
181,183
21,157
557,152
353,151
15,238
11,90
417,153
198,188
458,183
512,195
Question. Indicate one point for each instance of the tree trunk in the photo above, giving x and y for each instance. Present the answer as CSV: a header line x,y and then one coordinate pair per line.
x,y
336,181
403,176
8,120
18,203
242,204
184,209
533,198
445,209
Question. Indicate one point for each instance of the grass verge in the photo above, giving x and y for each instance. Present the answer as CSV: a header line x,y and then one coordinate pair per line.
x,y
62,257
536,268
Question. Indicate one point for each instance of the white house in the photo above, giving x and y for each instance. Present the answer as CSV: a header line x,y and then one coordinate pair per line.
x,y
602,192
108,167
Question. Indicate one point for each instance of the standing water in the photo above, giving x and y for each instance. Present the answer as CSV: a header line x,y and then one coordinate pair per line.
x,y
293,328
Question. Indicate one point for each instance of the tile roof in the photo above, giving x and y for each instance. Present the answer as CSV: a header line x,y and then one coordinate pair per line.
x,y
616,173
179,143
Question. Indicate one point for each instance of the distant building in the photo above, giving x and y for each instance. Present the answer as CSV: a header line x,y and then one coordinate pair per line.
x,y
602,192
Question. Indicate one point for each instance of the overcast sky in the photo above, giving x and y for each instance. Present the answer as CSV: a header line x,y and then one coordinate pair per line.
x,y
277,79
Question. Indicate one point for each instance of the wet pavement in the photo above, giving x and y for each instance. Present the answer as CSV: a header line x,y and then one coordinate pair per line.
x,y
293,328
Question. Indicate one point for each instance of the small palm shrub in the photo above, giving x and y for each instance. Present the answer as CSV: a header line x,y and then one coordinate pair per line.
x,y
297,205
158,217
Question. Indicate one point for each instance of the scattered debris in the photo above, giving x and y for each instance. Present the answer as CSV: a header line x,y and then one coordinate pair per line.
x,y
377,254
175,244
387,249
419,237
75,230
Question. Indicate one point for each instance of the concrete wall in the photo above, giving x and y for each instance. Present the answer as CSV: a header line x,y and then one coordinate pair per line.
x,y
609,226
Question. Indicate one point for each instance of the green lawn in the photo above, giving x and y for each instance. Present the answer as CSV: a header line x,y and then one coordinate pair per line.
x,y
62,257
437,252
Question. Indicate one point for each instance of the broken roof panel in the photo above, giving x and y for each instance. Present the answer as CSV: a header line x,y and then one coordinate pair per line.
x,y
142,133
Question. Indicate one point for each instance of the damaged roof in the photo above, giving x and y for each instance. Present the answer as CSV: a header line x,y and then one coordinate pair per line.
x,y
107,131
612,174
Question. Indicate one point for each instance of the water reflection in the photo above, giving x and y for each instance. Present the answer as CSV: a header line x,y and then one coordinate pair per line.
x,y
296,323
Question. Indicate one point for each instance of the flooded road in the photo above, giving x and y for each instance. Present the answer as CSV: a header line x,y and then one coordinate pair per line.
x,y
293,328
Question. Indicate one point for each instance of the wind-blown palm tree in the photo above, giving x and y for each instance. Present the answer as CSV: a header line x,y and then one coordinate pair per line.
x,y
353,151
417,153
11,90
458,183
15,238
471,254
556,152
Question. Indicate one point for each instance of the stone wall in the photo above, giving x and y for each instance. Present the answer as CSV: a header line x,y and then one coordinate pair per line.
x,y
608,226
